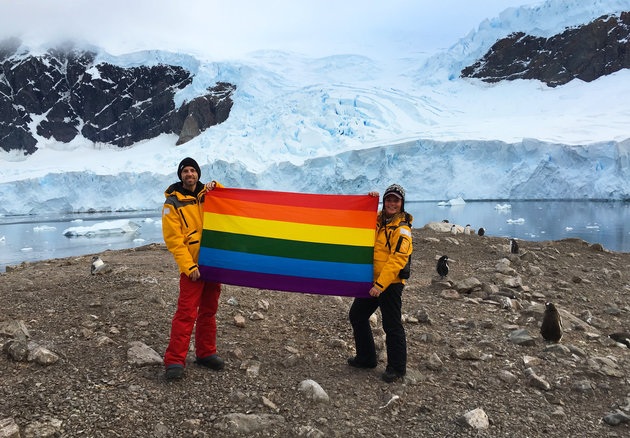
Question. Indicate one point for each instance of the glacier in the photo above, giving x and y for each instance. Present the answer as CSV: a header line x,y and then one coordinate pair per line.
x,y
351,124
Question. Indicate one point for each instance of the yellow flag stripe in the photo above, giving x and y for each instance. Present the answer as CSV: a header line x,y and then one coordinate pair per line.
x,y
288,230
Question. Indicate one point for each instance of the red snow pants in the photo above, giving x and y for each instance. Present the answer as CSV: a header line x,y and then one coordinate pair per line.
x,y
196,307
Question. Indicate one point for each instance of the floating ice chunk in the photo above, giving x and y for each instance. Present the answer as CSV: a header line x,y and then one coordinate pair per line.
x,y
592,227
120,226
148,220
26,249
503,207
44,228
77,220
519,221
139,240
457,201
2,239
443,203
568,228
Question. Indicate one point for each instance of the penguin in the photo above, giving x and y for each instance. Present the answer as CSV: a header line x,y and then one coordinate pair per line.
x,y
467,230
551,327
513,246
481,231
442,267
99,266
445,221
621,337
453,229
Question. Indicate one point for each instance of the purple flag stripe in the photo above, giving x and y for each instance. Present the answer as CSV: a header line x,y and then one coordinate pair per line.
x,y
286,283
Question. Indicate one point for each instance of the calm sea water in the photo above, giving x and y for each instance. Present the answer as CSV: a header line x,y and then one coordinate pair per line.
x,y
31,238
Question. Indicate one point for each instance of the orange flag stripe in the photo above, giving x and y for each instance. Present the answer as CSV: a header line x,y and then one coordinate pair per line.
x,y
306,215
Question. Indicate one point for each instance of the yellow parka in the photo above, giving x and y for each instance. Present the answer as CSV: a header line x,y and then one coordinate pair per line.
x,y
182,224
390,259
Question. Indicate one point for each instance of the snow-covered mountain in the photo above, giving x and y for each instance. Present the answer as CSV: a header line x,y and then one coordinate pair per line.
x,y
350,124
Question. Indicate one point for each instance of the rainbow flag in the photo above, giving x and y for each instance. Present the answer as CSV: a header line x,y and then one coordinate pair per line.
x,y
296,242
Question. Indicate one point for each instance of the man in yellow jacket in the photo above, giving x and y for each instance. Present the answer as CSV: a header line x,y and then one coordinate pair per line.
x,y
182,224
392,249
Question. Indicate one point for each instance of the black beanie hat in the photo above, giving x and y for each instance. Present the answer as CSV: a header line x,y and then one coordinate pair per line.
x,y
188,162
397,191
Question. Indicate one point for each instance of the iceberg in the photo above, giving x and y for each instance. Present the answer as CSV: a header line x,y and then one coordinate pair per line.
x,y
106,228
457,201
452,202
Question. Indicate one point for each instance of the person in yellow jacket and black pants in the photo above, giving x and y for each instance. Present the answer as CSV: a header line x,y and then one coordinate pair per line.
x,y
392,249
182,224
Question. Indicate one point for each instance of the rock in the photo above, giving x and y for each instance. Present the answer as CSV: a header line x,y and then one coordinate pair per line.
x,y
339,343
190,130
434,363
617,418
256,316
467,285
522,337
583,386
507,377
310,432
391,402
313,390
103,340
467,354
450,294
263,305
239,321
558,349
606,366
503,267
249,423
475,419
14,329
44,428
9,429
536,381
120,105
41,355
530,361
251,367
140,354
268,403
509,281
598,247
17,350
557,59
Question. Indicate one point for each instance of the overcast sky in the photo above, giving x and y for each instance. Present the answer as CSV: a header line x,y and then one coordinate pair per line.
x,y
231,28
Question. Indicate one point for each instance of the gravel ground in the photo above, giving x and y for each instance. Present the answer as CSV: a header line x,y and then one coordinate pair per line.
x,y
461,354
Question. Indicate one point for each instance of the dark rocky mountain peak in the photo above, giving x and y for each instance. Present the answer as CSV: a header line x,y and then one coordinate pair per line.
x,y
69,93
585,52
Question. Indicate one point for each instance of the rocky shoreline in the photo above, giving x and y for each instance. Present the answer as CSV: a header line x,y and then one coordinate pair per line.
x,y
81,353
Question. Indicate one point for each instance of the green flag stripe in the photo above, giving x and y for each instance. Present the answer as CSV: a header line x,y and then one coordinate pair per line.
x,y
287,248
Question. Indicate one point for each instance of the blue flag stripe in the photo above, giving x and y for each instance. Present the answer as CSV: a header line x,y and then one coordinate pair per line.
x,y
285,266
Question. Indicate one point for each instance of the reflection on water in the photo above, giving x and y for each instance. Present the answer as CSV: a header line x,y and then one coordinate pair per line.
x,y
41,237
607,223
33,238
